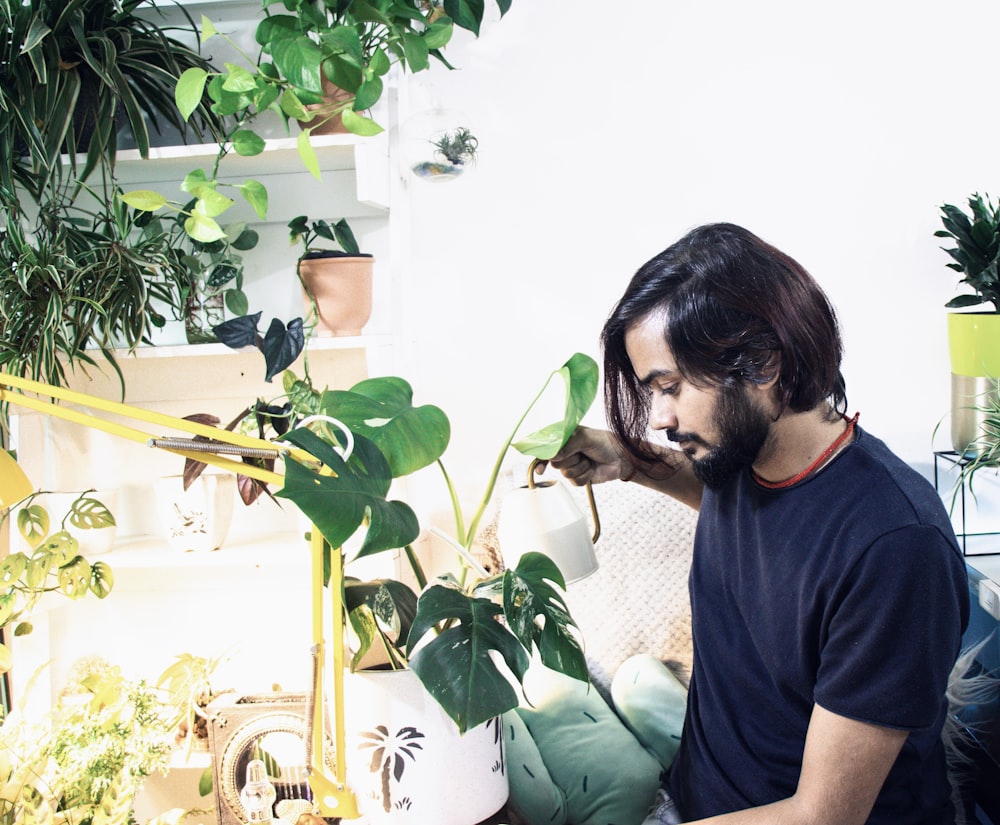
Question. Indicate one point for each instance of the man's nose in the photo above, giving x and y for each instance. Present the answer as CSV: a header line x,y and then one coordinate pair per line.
x,y
661,413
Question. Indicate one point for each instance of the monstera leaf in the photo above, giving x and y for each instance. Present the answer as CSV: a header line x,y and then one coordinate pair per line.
x,y
580,374
355,493
528,595
382,410
379,608
455,666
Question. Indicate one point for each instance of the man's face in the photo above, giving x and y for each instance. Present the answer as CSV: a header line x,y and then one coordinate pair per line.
x,y
721,430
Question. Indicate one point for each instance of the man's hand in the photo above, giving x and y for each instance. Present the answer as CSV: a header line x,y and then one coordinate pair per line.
x,y
595,456
591,456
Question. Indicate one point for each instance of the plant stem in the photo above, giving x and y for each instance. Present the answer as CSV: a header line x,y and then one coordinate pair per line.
x,y
456,505
481,510
416,567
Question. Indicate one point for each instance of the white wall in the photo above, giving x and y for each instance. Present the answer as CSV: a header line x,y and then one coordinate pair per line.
x,y
608,130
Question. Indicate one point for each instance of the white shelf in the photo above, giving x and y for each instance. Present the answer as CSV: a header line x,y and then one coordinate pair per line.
x,y
367,158
335,151
314,345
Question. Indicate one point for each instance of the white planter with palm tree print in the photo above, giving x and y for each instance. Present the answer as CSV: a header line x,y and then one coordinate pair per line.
x,y
406,761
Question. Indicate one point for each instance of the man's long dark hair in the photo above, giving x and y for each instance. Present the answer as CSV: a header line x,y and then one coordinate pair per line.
x,y
736,309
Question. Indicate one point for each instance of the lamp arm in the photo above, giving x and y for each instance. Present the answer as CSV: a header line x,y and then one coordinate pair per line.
x,y
332,795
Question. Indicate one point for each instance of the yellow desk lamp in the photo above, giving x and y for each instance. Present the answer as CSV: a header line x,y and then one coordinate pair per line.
x,y
332,796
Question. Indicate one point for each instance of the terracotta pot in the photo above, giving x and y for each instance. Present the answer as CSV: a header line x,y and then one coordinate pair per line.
x,y
342,289
322,123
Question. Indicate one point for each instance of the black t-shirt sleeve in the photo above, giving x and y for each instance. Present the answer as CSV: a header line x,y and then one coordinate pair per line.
x,y
894,631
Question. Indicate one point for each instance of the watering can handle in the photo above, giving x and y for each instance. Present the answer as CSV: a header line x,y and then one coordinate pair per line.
x,y
590,498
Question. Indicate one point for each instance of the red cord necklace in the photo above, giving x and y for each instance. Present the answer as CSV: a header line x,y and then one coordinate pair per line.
x,y
788,482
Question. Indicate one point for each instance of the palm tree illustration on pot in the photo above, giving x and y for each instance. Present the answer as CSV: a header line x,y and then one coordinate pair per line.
x,y
389,755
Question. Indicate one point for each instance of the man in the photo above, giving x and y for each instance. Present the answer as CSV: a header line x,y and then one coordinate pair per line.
x,y
828,593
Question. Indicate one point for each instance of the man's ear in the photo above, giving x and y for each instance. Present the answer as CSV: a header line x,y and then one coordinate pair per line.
x,y
772,372
770,387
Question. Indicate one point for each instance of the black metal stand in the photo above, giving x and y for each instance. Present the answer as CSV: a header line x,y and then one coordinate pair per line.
x,y
960,461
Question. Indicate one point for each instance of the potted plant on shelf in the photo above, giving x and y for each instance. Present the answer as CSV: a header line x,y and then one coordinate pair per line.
x,y
453,150
214,274
973,337
81,280
78,277
336,284
72,73
351,46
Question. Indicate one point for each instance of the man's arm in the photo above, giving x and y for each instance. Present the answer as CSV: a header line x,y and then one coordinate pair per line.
x,y
844,766
593,455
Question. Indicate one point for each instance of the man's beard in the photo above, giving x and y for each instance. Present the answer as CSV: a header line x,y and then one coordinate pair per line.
x,y
743,431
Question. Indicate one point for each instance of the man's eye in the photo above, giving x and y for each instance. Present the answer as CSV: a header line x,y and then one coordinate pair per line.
x,y
669,389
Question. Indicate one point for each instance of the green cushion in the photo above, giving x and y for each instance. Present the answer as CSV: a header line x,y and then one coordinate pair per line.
x,y
533,794
652,702
604,773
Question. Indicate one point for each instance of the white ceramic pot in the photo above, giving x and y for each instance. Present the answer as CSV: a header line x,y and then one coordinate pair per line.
x,y
197,518
408,764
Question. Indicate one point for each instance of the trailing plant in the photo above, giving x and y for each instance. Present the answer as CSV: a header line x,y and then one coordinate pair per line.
x,y
77,280
351,44
976,253
54,563
71,73
213,274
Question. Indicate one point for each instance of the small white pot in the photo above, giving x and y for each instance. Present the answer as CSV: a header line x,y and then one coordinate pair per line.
x,y
196,519
408,764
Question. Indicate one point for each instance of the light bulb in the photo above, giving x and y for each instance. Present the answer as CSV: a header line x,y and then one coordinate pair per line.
x,y
257,796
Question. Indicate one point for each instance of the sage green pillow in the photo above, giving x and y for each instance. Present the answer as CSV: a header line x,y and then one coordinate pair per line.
x,y
652,702
577,750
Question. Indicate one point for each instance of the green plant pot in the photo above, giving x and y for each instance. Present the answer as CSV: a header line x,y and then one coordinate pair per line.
x,y
974,350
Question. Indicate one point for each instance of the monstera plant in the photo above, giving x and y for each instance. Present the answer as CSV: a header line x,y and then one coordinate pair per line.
x,y
448,633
